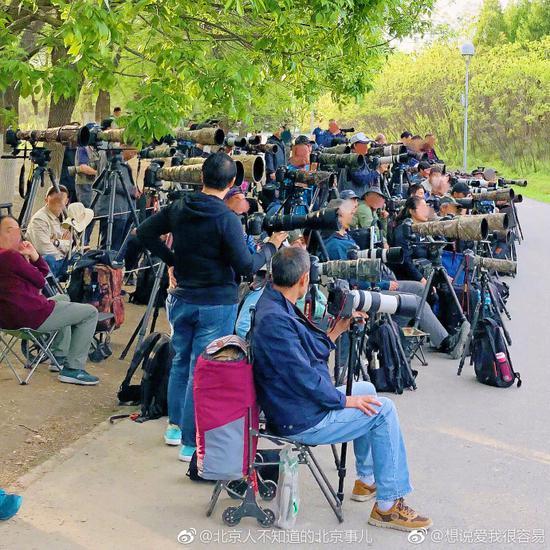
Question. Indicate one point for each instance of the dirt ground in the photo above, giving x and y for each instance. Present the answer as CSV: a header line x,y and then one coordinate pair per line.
x,y
39,419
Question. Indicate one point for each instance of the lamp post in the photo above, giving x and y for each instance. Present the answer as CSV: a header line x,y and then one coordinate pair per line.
x,y
467,50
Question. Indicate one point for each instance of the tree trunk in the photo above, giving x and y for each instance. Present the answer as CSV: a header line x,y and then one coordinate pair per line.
x,y
60,113
103,105
9,100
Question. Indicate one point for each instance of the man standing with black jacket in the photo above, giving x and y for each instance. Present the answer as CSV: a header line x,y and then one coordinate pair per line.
x,y
209,253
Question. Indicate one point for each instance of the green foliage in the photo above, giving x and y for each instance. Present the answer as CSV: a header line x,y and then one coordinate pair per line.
x,y
520,21
226,57
509,111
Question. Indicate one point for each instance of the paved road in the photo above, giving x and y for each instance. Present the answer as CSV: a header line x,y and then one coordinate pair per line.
x,y
479,459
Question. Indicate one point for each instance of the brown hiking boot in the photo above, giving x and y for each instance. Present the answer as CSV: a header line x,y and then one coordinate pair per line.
x,y
362,492
399,517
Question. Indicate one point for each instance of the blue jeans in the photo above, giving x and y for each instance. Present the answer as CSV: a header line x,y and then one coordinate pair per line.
x,y
377,442
193,328
57,267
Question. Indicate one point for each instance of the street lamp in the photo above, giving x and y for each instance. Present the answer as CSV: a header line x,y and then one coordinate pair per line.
x,y
467,50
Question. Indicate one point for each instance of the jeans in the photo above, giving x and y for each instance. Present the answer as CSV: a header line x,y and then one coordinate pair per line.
x,y
193,328
428,321
377,442
57,267
76,324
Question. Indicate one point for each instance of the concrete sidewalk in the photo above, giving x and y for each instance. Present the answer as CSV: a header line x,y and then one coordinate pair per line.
x,y
479,459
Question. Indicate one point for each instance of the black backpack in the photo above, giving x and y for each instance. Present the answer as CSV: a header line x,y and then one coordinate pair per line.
x,y
155,355
146,280
393,372
491,369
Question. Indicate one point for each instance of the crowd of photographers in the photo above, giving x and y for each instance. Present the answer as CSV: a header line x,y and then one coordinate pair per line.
x,y
219,267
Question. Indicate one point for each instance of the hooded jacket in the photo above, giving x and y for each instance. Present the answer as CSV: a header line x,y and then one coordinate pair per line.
x,y
209,250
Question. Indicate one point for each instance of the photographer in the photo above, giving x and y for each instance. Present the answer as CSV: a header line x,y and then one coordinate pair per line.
x,y
51,241
209,253
338,246
429,147
371,215
417,210
424,168
278,159
295,392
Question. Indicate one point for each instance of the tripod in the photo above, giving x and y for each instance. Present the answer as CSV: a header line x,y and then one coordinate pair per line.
x,y
107,183
436,269
486,307
40,157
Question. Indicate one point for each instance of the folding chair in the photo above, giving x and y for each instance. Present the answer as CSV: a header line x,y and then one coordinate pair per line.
x,y
38,348
416,339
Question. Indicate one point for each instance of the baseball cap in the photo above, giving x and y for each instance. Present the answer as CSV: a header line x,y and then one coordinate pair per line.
x,y
301,140
348,194
447,199
294,235
375,188
232,192
360,137
461,187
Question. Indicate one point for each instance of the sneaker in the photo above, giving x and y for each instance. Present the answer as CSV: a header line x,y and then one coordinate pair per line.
x,y
9,505
400,517
77,376
186,452
172,435
363,492
460,341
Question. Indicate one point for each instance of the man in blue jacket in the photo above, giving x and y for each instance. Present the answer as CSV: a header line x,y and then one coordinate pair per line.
x,y
295,391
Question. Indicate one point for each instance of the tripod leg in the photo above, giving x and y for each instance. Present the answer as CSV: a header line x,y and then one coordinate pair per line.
x,y
423,298
452,291
466,350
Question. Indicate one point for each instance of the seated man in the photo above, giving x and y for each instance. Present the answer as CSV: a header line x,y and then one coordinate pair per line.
x,y
22,305
51,241
295,391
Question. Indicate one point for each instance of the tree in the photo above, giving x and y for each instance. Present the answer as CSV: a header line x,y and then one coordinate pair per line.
x,y
224,55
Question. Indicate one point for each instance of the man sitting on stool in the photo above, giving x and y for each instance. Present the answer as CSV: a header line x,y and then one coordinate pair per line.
x,y
295,391
22,305
51,241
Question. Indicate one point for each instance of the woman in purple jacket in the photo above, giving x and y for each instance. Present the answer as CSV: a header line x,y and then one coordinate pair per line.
x,y
22,305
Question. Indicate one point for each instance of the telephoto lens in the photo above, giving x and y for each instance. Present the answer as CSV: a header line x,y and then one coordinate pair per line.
x,y
392,255
325,219
499,195
507,267
519,183
356,270
160,151
69,135
342,302
387,150
350,160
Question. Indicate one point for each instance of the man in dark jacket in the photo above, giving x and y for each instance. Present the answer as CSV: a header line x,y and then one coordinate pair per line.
x,y
295,391
209,253
274,160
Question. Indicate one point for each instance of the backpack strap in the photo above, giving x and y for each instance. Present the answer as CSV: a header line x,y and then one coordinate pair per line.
x,y
141,354
250,334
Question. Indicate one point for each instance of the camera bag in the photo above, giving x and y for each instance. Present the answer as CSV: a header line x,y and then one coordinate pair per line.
x,y
491,358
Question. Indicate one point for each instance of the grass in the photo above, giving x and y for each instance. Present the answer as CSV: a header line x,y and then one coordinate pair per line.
x,y
538,187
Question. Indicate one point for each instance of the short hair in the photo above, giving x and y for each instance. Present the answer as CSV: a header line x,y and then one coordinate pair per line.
x,y
436,169
414,188
60,189
288,265
406,134
218,171
416,137
6,216
424,165
116,109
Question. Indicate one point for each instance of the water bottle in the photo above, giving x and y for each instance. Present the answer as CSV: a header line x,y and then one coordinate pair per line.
x,y
504,367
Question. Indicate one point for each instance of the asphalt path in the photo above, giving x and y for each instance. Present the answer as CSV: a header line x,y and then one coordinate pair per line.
x,y
479,460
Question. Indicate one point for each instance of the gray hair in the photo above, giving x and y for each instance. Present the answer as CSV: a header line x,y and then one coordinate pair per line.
x,y
288,265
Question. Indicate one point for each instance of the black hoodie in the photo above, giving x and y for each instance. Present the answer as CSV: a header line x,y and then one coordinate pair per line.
x,y
209,248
